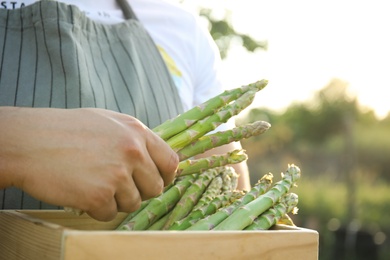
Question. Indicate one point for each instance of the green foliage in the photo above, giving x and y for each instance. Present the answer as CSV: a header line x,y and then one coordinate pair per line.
x,y
373,149
323,200
343,151
314,196
223,34
330,127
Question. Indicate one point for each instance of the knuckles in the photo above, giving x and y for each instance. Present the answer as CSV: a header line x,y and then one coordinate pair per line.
x,y
100,198
130,207
156,188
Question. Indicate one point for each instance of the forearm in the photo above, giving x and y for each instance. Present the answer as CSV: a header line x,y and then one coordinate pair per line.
x,y
10,141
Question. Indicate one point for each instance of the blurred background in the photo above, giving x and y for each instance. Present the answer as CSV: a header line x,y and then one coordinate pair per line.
x,y
328,64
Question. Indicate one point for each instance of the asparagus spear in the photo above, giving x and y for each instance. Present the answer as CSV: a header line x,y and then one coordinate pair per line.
x,y
194,166
226,181
258,189
159,224
270,217
208,142
133,214
244,216
229,179
178,124
210,193
211,122
286,220
158,206
191,197
213,220
219,201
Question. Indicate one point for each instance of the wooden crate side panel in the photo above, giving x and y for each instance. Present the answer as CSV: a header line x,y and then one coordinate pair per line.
x,y
24,237
70,220
268,245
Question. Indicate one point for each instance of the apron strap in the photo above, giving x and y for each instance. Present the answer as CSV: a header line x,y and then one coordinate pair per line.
x,y
126,9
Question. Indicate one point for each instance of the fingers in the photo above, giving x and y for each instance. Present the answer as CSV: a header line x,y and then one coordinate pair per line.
x,y
144,171
104,207
165,159
161,154
147,165
105,212
148,181
151,166
128,197
152,162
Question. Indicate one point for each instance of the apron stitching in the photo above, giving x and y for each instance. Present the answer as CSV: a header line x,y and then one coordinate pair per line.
x,y
152,92
121,74
108,73
98,76
4,44
159,76
19,59
50,58
36,66
89,74
62,61
138,79
77,56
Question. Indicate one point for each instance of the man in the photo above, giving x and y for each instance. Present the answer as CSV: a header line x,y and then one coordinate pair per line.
x,y
81,83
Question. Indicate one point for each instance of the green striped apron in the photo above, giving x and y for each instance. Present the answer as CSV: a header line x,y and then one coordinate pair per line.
x,y
52,55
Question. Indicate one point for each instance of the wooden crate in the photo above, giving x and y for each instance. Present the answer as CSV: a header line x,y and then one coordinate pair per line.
x,y
53,234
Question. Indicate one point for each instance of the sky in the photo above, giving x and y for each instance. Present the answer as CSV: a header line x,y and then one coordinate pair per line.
x,y
309,44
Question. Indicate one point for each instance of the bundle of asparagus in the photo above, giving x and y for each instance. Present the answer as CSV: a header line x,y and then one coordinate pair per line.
x,y
204,195
204,201
186,133
189,133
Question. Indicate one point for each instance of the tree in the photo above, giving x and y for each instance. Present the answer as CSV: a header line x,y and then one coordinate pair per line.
x,y
224,33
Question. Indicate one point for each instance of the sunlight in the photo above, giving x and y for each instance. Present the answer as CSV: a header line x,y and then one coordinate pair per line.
x,y
309,44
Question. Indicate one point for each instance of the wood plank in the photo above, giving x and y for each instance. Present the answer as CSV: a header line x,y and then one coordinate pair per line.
x,y
70,220
52,234
205,245
25,237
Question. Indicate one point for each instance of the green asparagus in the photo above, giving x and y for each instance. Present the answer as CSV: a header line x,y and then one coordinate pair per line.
x,y
195,166
180,123
213,190
191,196
213,220
221,200
211,141
211,122
158,207
245,215
270,217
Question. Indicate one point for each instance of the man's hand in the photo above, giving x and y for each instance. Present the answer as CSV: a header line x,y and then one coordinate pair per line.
x,y
94,160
